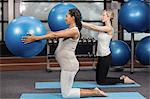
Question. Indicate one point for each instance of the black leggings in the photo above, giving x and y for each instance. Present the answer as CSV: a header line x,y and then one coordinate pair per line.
x,y
102,71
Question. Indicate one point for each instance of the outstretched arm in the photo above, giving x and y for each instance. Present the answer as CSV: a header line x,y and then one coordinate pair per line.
x,y
95,27
72,33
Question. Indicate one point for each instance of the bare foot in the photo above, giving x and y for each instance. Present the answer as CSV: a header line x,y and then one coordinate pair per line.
x,y
122,77
100,92
128,80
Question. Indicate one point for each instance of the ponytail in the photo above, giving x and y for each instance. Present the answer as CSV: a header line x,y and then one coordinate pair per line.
x,y
76,13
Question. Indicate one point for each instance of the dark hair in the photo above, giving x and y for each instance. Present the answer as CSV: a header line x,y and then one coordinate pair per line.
x,y
76,13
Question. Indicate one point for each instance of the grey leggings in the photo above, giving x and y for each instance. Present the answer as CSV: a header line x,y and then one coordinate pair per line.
x,y
67,80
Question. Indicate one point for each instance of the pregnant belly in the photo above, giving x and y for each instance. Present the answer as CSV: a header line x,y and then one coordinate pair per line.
x,y
67,60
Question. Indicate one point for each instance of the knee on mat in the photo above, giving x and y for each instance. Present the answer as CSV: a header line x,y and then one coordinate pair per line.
x,y
65,94
101,82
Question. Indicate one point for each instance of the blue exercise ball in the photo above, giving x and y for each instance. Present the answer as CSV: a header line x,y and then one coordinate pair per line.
x,y
56,17
19,27
120,52
134,17
142,51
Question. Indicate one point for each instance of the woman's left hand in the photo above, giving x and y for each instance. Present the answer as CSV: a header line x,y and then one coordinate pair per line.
x,y
29,39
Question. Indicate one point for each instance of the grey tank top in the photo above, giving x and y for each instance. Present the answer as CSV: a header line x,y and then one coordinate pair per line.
x,y
65,53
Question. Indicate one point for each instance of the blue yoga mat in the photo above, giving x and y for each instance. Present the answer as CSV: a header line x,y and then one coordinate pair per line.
x,y
111,95
45,85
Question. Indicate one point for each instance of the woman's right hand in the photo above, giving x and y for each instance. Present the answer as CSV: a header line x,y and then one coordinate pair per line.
x,y
29,38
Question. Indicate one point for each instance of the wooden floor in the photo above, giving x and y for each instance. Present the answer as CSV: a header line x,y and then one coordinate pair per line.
x,y
40,62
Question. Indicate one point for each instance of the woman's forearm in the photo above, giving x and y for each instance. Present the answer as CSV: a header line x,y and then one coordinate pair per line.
x,y
32,38
50,35
59,34
86,25
90,26
47,36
